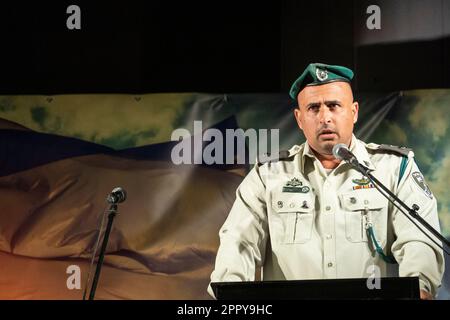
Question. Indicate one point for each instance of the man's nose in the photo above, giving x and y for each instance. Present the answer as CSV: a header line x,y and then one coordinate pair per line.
x,y
325,115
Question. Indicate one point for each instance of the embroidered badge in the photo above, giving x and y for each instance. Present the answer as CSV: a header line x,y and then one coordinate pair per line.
x,y
420,181
363,183
295,185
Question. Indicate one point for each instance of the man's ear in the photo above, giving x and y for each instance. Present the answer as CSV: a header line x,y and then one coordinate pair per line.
x,y
297,115
355,109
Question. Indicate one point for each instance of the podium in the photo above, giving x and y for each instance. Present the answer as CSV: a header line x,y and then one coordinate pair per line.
x,y
405,288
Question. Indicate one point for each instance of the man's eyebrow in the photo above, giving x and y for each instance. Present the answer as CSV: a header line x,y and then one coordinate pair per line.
x,y
327,102
312,104
333,102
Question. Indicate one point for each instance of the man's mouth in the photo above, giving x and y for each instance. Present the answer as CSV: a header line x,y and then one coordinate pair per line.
x,y
326,131
327,134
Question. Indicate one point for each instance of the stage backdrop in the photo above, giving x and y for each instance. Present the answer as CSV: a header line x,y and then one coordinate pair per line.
x,y
61,155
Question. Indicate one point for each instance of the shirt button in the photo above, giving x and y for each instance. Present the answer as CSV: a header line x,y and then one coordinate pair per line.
x,y
292,205
328,208
366,201
330,264
329,236
353,200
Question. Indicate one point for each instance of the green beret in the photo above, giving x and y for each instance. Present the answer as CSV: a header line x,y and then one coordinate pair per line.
x,y
317,74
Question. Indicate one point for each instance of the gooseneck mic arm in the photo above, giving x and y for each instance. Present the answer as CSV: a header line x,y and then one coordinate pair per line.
x,y
116,196
341,152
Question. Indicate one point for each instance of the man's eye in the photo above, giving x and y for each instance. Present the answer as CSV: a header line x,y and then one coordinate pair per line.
x,y
313,108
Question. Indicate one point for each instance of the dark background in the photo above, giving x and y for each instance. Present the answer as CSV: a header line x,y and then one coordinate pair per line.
x,y
227,46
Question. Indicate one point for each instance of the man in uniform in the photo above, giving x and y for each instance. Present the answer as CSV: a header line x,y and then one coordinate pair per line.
x,y
308,215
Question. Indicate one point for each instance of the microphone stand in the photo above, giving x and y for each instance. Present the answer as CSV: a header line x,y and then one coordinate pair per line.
x,y
112,213
412,211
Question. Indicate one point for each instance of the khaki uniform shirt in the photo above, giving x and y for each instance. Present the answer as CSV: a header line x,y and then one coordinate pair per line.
x,y
297,221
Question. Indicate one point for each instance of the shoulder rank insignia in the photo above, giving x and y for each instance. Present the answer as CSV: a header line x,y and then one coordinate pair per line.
x,y
282,155
295,185
399,150
420,181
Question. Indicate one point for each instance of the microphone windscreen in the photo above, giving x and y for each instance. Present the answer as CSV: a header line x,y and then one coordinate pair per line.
x,y
337,150
119,194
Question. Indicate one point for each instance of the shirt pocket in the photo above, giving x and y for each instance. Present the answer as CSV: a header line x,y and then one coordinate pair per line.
x,y
294,213
363,208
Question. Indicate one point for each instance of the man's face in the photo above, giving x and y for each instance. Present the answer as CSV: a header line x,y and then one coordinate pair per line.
x,y
326,114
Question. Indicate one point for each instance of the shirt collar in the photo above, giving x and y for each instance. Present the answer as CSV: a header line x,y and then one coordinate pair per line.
x,y
357,147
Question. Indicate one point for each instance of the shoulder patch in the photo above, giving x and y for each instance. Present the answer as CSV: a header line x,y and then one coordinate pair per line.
x,y
420,182
388,148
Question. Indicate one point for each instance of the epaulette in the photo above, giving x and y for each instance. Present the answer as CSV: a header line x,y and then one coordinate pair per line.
x,y
282,155
388,148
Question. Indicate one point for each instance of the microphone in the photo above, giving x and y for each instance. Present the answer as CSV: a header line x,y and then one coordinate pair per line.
x,y
341,152
118,195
